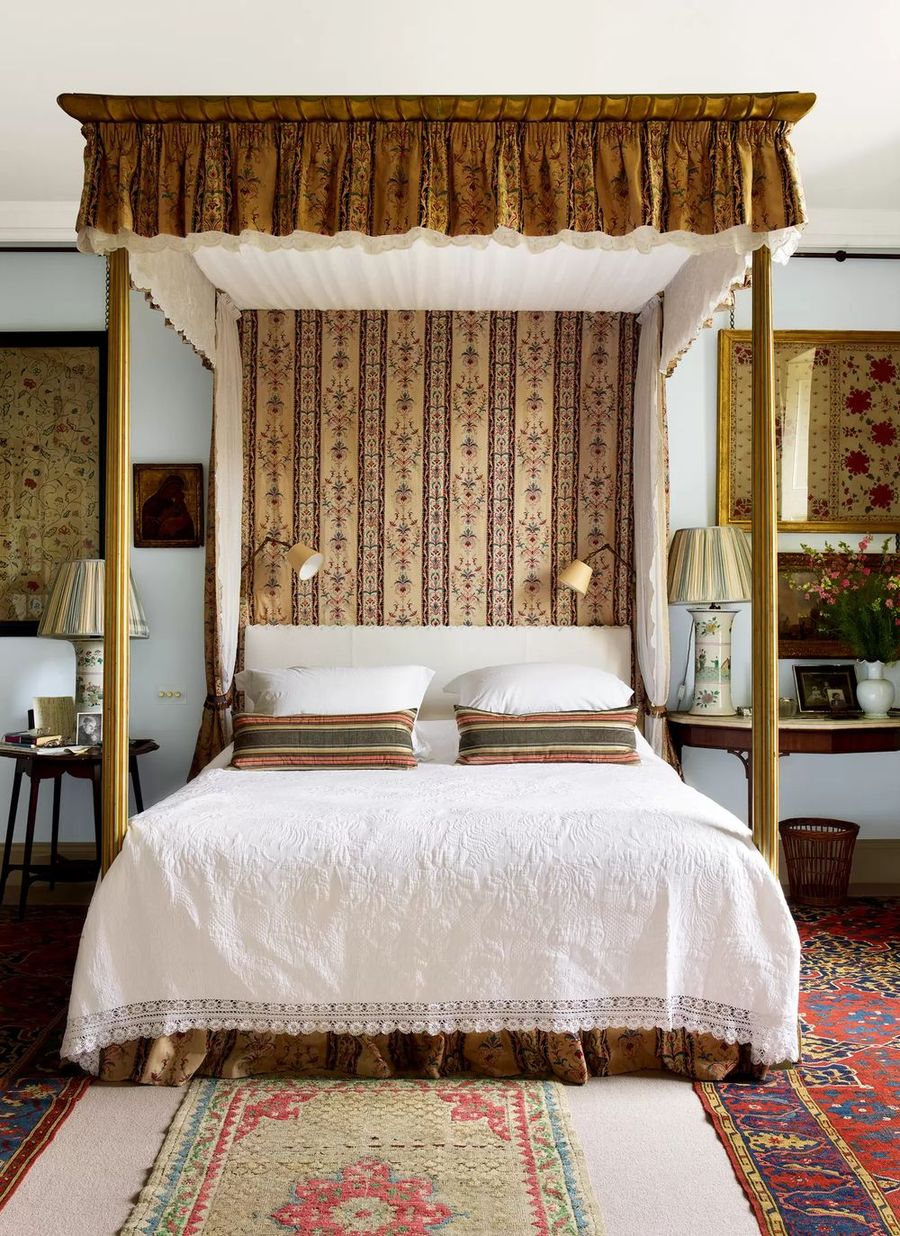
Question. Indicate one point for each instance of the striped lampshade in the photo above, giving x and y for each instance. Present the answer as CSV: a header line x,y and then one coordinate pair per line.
x,y
74,609
709,566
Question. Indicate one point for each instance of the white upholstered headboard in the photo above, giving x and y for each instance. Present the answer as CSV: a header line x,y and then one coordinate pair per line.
x,y
447,650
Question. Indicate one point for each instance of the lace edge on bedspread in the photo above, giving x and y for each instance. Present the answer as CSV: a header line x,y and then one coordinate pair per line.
x,y
770,1043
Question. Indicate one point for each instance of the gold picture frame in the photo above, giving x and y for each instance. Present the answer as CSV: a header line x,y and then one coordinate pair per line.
x,y
844,390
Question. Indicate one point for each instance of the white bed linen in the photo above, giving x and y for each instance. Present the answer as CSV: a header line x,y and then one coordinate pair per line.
x,y
559,897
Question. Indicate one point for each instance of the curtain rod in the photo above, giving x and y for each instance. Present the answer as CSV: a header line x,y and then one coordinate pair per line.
x,y
844,255
837,255
12,247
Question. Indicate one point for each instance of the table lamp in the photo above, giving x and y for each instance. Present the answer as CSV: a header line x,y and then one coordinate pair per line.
x,y
708,568
74,611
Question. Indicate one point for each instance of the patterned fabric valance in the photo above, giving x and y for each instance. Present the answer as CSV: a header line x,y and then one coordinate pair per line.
x,y
449,177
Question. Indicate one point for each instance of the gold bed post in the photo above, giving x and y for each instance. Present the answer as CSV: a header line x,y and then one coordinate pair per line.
x,y
116,667
765,564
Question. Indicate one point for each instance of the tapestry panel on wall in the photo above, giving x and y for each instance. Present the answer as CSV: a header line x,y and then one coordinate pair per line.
x,y
448,465
52,396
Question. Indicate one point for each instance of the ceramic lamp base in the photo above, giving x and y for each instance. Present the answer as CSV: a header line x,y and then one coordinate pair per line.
x,y
88,675
712,662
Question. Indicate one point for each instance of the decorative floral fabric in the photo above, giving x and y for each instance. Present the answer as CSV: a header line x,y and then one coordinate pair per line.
x,y
175,1058
837,401
215,724
455,178
448,465
49,457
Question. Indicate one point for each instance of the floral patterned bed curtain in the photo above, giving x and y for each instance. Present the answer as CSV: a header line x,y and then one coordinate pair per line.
x,y
452,167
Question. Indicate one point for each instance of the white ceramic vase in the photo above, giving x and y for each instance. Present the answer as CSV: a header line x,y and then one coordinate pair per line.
x,y
875,693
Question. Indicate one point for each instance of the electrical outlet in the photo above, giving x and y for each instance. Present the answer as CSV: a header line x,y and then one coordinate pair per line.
x,y
169,695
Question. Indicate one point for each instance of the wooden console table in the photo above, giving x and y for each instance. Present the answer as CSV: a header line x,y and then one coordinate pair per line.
x,y
796,736
40,766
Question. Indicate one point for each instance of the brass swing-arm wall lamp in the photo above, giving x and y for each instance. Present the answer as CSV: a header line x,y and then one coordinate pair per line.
x,y
303,559
577,575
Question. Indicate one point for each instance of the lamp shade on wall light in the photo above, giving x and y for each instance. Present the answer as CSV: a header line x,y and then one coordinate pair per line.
x,y
709,567
577,576
74,611
304,560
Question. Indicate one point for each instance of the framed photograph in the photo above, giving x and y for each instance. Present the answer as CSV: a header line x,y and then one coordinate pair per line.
x,y
52,463
89,729
837,404
826,689
168,506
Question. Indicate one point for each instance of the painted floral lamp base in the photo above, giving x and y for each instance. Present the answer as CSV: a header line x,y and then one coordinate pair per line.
x,y
712,662
88,675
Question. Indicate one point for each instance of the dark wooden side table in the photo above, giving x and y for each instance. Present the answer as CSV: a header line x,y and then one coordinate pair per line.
x,y
796,736
39,767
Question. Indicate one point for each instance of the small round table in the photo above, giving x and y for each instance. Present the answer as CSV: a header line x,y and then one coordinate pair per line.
x,y
40,766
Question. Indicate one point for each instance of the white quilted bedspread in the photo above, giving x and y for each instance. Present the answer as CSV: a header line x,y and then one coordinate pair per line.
x,y
445,898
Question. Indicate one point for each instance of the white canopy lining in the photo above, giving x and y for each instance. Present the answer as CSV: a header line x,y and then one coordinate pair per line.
x,y
453,277
426,270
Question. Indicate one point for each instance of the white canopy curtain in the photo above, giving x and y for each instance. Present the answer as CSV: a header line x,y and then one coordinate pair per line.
x,y
589,202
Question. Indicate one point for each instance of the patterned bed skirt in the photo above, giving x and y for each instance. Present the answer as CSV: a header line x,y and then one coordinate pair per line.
x,y
174,1059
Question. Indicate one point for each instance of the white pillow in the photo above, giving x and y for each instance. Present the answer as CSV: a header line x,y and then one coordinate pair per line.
x,y
539,686
441,739
327,690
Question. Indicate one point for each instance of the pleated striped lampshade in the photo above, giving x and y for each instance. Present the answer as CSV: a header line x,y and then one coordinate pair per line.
x,y
709,566
74,609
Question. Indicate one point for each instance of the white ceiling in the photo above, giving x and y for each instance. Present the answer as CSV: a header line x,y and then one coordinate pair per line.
x,y
848,147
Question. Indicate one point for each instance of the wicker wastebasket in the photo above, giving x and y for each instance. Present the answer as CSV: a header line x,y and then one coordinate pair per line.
x,y
818,853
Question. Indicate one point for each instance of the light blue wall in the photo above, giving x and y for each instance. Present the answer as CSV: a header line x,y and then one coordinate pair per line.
x,y
808,294
171,417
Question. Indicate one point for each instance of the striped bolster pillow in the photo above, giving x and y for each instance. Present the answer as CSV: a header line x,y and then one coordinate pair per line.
x,y
547,737
361,740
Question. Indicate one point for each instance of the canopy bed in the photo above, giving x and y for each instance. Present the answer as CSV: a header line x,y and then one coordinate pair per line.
x,y
263,227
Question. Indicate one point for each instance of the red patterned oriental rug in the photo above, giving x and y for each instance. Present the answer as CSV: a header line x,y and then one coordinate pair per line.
x,y
347,1157
817,1149
37,957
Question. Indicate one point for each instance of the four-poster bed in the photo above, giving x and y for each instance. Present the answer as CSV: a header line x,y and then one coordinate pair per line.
x,y
598,204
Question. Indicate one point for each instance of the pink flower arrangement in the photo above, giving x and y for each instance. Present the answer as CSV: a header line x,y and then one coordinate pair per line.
x,y
860,596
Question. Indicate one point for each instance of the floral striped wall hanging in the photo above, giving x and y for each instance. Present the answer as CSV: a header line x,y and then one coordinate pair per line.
x,y
448,465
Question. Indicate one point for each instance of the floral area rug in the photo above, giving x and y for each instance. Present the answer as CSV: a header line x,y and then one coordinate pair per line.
x,y
37,957
817,1149
369,1158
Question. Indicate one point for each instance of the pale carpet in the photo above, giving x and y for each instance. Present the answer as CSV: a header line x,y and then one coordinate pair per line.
x,y
654,1160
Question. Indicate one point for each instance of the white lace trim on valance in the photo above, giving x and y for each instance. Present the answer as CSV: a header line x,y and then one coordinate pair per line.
x,y
769,1044
175,284
740,239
